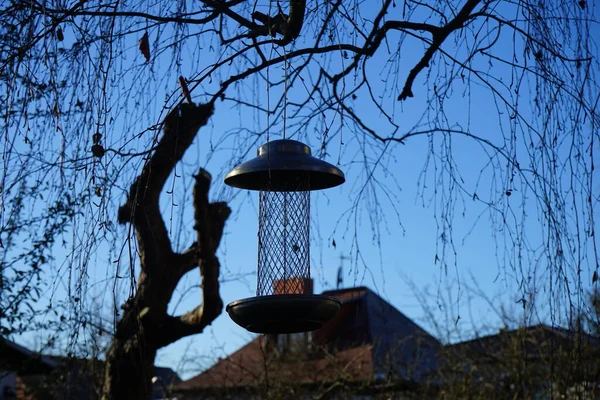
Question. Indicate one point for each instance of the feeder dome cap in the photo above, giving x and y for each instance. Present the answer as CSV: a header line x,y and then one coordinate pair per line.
x,y
285,165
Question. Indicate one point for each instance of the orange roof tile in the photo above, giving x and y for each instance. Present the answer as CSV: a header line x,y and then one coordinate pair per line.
x,y
250,365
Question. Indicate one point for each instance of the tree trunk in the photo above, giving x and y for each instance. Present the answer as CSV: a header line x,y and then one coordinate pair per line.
x,y
129,369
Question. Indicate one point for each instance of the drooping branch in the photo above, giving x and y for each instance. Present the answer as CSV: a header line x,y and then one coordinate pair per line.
x,y
46,31
371,45
277,60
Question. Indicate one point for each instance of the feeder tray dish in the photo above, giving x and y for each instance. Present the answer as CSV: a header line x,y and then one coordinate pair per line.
x,y
280,164
283,313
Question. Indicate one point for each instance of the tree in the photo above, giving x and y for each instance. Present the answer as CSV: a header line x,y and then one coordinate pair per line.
x,y
145,325
80,83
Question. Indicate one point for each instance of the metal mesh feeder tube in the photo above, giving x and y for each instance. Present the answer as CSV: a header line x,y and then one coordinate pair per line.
x,y
284,172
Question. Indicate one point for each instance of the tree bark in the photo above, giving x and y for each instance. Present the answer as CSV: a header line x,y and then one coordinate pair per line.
x,y
145,325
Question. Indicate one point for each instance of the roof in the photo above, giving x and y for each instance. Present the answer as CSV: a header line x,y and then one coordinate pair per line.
x,y
400,346
251,366
526,359
348,294
535,341
367,340
18,358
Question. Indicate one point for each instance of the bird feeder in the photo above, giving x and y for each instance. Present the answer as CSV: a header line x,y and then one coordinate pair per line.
x,y
284,173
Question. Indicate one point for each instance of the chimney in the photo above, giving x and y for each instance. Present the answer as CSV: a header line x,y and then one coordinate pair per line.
x,y
293,286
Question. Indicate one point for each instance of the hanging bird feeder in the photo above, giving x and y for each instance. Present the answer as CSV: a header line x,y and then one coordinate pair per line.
x,y
284,173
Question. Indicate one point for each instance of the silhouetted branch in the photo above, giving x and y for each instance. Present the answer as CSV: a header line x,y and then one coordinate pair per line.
x,y
209,223
439,35
141,207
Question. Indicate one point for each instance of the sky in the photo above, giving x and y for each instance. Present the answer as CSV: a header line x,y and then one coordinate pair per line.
x,y
394,242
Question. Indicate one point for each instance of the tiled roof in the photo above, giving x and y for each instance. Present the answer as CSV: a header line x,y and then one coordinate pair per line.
x,y
251,365
17,357
536,341
530,358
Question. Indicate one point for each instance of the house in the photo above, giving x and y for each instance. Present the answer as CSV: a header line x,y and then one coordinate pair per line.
x,y
368,348
16,362
31,376
532,362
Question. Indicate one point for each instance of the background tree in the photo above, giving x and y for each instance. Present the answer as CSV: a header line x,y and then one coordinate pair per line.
x,y
82,105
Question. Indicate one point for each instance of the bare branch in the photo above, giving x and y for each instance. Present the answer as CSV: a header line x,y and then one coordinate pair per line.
x,y
439,36
287,26
209,223
223,8
180,19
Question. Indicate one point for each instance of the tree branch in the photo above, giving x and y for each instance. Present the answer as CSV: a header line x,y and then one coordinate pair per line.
x,y
209,221
180,19
141,208
273,61
287,26
223,8
439,36
45,32
189,259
